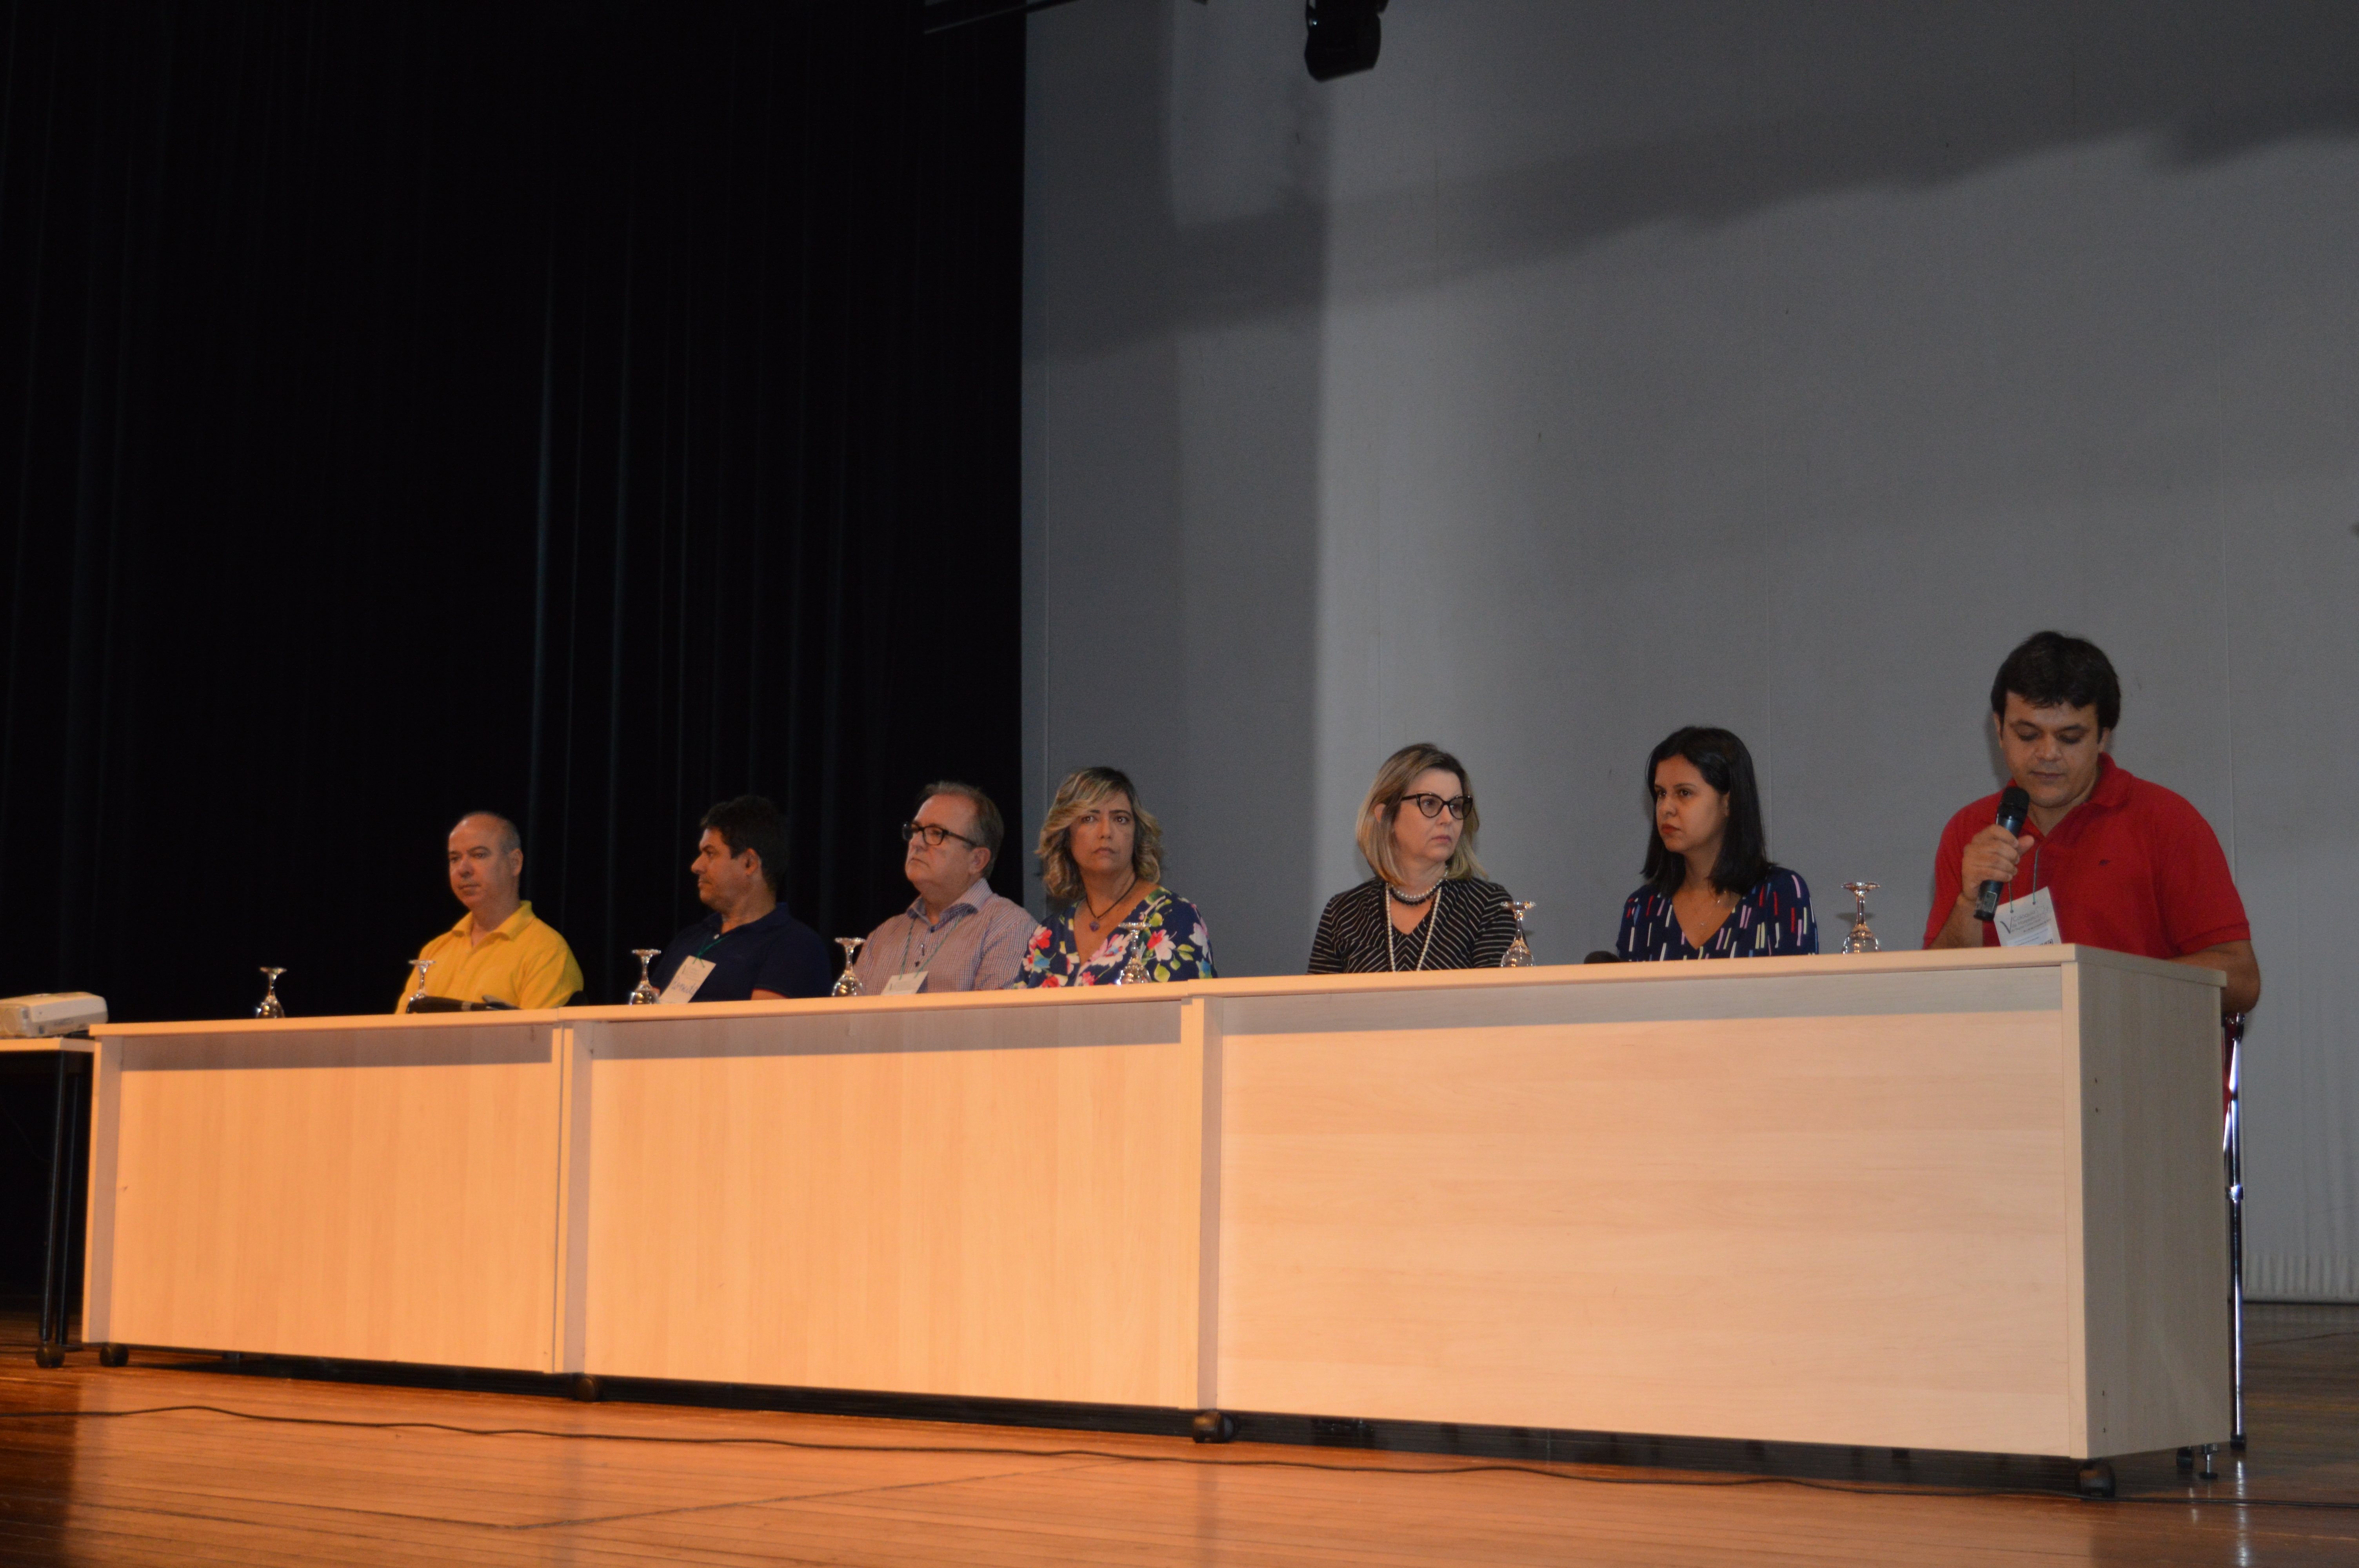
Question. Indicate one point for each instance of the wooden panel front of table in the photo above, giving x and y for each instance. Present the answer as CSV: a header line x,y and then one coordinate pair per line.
x,y
992,1197
1922,1201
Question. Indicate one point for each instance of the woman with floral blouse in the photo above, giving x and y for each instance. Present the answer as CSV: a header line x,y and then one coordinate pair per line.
x,y
1100,857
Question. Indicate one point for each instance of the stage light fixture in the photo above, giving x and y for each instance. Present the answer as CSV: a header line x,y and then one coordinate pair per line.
x,y
1342,37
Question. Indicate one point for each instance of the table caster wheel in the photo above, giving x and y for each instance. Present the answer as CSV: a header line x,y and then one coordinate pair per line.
x,y
2096,1480
49,1356
584,1387
113,1354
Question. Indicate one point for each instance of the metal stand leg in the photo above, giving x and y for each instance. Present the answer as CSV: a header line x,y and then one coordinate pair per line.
x,y
78,1085
49,1350
2232,1151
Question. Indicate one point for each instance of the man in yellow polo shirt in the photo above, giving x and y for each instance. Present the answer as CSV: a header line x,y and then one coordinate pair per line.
x,y
499,951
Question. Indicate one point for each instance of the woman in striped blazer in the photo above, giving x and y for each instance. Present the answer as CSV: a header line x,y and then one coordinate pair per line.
x,y
1428,906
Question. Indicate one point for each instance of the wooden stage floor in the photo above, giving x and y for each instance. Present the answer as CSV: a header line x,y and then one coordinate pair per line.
x,y
102,1466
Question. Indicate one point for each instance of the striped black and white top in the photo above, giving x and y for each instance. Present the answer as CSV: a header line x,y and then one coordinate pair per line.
x,y
1471,929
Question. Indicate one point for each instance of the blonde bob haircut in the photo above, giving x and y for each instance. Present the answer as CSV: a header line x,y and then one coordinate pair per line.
x,y
1083,789
1400,771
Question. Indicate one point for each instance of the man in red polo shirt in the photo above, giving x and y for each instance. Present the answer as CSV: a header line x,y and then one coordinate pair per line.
x,y
2106,859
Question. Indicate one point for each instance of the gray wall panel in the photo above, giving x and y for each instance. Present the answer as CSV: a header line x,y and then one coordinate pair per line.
x,y
1588,370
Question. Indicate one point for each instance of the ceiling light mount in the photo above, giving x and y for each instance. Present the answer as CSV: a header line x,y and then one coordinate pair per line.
x,y
1342,37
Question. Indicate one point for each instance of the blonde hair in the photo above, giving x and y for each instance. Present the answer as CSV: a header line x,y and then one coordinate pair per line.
x,y
1083,789
1400,770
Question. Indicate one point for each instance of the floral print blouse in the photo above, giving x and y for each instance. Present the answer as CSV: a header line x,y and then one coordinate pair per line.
x,y
1178,947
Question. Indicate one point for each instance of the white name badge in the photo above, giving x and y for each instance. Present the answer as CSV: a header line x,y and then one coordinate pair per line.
x,y
2027,922
684,983
909,984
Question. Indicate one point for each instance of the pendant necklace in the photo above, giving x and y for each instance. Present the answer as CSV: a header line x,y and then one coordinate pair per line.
x,y
1098,915
1432,919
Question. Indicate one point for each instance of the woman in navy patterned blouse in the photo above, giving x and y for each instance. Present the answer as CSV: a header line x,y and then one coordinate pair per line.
x,y
1712,891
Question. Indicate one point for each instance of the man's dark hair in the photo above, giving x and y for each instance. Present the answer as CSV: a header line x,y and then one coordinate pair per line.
x,y
1727,766
2048,669
750,822
986,816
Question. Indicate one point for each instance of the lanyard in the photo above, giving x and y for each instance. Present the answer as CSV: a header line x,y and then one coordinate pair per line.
x,y
910,935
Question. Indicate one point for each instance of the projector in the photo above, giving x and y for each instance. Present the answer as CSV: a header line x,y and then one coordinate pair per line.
x,y
45,1013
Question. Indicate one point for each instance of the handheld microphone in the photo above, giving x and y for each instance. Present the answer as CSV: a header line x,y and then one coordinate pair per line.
x,y
2012,806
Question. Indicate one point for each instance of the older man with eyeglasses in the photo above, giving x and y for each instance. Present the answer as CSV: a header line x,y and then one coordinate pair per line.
x,y
959,935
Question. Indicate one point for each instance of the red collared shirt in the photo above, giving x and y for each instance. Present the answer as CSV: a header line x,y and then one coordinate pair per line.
x,y
2134,868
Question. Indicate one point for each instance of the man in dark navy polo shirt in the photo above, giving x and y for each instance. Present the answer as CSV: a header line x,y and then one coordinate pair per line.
x,y
2106,859
749,948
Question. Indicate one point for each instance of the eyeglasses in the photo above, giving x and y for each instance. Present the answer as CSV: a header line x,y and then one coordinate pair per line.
x,y
1458,806
933,835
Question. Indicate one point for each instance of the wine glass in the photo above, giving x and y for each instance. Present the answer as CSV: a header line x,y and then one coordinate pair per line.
x,y
418,991
848,982
1134,968
1861,939
645,991
1518,954
271,1006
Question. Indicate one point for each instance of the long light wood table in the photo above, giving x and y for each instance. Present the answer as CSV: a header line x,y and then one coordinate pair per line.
x,y
1965,1201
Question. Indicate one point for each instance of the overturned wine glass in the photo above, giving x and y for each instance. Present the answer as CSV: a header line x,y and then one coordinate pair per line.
x,y
1134,968
271,1006
848,982
1518,954
1862,938
645,992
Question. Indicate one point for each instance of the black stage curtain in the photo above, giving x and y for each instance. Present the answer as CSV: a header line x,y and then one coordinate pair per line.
x,y
584,410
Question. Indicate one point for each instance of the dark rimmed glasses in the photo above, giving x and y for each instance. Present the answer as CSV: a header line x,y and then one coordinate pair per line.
x,y
933,835
1432,805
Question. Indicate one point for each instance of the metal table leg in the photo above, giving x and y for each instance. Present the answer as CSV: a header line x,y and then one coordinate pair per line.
x,y
2232,1153
57,1258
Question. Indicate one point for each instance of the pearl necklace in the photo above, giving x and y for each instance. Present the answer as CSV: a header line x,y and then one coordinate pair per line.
x,y
1432,919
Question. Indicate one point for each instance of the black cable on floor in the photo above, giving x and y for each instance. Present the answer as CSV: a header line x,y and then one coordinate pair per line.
x,y
1855,1488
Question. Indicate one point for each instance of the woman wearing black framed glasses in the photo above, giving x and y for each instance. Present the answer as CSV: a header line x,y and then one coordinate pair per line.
x,y
1428,906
